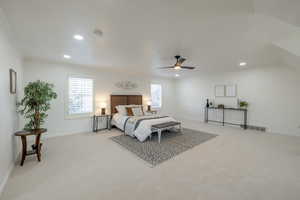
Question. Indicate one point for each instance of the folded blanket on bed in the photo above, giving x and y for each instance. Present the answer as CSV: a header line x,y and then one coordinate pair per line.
x,y
140,127
132,123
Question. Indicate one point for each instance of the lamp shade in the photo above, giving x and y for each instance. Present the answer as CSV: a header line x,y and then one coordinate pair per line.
x,y
149,103
103,105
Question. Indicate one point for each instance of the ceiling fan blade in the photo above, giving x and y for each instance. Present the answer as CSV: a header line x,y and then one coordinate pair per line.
x,y
187,67
166,67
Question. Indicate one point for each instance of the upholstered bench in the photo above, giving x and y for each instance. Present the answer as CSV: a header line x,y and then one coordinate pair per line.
x,y
159,128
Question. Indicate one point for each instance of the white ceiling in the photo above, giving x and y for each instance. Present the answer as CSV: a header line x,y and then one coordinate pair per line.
x,y
141,35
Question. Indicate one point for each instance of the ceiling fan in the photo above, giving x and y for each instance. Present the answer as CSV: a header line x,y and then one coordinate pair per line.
x,y
178,64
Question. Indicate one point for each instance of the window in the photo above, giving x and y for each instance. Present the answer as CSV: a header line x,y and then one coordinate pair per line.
x,y
156,95
80,96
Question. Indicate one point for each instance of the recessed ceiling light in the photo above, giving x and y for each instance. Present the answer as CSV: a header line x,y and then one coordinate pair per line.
x,y
78,37
177,75
67,56
243,64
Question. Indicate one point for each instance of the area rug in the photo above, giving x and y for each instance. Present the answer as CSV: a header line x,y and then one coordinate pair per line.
x,y
172,144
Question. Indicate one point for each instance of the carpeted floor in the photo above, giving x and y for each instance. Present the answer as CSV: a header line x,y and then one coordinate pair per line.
x,y
172,144
236,165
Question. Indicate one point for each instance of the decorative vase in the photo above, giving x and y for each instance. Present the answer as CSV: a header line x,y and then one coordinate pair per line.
x,y
207,103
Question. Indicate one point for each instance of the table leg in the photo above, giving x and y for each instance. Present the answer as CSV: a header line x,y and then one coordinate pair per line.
x,y
24,149
108,122
245,120
38,146
94,123
223,122
180,127
206,115
97,123
159,135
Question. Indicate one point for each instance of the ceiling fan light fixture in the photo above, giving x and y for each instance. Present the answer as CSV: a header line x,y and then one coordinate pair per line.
x,y
178,65
67,56
242,64
78,37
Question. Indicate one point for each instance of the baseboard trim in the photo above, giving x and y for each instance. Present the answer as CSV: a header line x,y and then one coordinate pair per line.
x,y
52,135
186,119
267,130
6,177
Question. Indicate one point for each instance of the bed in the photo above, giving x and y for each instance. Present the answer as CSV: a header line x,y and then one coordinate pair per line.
x,y
135,126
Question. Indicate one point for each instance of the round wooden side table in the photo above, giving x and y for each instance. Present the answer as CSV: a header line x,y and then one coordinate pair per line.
x,y
36,148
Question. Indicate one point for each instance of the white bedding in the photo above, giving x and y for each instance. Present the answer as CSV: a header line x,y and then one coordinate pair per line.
x,y
144,128
119,121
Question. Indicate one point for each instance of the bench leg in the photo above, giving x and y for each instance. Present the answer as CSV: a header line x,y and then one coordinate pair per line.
x,y
180,128
159,135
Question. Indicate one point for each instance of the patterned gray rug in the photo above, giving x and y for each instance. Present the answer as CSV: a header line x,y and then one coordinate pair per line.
x,y
172,144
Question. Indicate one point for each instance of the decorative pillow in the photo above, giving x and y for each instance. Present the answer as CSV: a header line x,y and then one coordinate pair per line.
x,y
129,111
137,111
121,110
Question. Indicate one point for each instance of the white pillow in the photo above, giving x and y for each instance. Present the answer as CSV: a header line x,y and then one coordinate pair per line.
x,y
121,110
132,105
137,111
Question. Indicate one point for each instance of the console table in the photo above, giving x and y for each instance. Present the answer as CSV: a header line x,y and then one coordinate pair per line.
x,y
245,111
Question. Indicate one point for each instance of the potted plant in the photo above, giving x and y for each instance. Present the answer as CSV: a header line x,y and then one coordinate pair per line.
x,y
35,103
244,104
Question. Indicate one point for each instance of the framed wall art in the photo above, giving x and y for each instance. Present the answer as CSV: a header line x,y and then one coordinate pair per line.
x,y
220,90
13,81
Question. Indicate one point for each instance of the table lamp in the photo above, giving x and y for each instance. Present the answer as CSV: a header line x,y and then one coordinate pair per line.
x,y
103,107
149,105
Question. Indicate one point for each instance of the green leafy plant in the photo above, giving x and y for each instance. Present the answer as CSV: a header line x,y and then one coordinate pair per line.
x,y
244,104
35,103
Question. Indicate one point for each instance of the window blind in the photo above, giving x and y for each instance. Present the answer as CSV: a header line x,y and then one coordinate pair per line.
x,y
80,95
156,95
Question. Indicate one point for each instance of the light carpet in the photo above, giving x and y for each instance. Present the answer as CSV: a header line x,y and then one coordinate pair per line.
x,y
236,165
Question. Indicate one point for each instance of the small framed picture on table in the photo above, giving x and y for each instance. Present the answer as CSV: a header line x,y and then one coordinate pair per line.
x,y
13,81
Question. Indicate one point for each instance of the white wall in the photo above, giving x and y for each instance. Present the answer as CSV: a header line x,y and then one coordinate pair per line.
x,y
9,58
273,95
104,82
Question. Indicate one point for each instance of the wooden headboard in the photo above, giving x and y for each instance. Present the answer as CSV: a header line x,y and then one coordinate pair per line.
x,y
116,100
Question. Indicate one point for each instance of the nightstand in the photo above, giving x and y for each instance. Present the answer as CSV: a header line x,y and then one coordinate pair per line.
x,y
101,118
